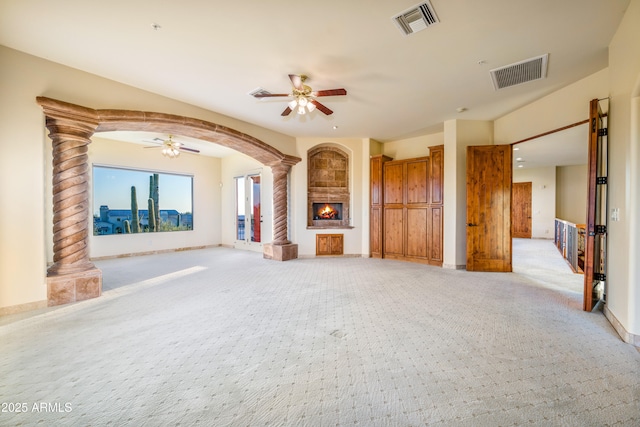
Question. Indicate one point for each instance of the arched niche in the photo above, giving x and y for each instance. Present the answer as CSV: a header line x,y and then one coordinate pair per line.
x,y
328,187
73,276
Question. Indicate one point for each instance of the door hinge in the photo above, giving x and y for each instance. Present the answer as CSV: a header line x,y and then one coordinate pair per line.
x,y
601,229
601,277
603,132
601,180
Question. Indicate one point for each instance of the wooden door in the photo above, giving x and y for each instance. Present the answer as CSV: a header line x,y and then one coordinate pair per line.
x,y
489,208
521,209
596,227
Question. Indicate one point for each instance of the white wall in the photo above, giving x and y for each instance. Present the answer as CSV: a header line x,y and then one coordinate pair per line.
x,y
571,193
25,164
543,199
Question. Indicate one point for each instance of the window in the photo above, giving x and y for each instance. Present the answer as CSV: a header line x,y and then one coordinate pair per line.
x,y
130,201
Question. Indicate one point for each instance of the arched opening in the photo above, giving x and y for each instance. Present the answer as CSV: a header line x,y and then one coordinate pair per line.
x,y
73,276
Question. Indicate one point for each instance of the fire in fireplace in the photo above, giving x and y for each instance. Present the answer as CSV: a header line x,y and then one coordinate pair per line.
x,y
327,211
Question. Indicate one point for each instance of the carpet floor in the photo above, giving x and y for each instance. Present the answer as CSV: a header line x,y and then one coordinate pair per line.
x,y
222,337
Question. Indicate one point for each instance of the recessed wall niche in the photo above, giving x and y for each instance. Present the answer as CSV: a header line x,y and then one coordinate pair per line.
x,y
328,197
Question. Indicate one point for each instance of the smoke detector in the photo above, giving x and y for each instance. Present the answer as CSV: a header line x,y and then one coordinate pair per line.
x,y
520,72
417,18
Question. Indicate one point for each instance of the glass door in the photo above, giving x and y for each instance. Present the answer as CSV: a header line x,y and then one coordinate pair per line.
x,y
248,214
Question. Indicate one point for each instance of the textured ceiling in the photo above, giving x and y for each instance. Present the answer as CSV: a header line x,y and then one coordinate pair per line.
x,y
213,53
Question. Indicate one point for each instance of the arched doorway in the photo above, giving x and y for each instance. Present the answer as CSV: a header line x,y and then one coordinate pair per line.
x,y
73,277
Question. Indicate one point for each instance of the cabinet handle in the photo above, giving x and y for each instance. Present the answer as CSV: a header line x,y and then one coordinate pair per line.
x,y
472,224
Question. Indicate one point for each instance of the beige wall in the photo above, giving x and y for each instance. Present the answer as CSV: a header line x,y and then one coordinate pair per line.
x,y
623,275
412,147
25,164
564,107
571,193
543,199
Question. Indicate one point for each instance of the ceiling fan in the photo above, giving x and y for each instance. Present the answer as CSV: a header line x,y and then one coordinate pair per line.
x,y
171,148
303,97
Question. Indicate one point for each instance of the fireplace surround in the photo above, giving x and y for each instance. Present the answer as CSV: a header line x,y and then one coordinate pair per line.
x,y
328,197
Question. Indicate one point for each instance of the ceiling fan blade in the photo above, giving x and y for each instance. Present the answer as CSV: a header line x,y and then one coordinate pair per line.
x,y
296,81
321,107
286,112
269,95
159,146
193,150
330,92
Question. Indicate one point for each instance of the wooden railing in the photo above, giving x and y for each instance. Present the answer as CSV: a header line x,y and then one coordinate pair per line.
x,y
569,238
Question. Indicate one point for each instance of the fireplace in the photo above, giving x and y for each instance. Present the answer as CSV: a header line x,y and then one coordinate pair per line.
x,y
327,211
328,198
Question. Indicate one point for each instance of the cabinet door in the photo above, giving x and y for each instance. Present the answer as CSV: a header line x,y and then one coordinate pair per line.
x,y
393,183
436,178
336,244
393,231
435,235
323,244
417,181
416,233
376,232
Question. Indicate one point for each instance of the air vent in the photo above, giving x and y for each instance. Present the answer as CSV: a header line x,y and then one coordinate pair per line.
x,y
520,72
416,19
259,91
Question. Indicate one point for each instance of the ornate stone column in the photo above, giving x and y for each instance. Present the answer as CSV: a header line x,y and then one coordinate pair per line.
x,y
72,277
281,249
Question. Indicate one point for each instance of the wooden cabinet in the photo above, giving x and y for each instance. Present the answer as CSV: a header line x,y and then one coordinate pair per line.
x,y
406,208
329,244
377,201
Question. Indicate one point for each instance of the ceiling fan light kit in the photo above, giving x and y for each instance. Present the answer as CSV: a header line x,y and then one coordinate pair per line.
x,y
171,148
303,101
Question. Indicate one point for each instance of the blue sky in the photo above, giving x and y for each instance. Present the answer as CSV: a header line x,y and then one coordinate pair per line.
x,y
112,187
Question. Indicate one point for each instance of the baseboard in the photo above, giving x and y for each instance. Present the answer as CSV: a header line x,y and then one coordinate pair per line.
x,y
310,256
21,308
163,251
624,334
455,266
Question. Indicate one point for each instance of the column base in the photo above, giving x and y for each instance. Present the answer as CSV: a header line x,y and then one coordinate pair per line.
x,y
280,252
67,288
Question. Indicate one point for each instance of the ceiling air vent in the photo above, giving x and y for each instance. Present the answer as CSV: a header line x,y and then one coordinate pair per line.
x,y
416,19
259,91
520,72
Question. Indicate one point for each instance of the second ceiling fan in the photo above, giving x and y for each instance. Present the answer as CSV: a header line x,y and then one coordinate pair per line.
x,y
303,97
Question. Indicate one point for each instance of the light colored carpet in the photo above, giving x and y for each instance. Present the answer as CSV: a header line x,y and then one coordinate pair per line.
x,y
221,337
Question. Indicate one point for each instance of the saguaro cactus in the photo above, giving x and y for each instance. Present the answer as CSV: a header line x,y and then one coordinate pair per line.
x,y
135,219
152,216
154,189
